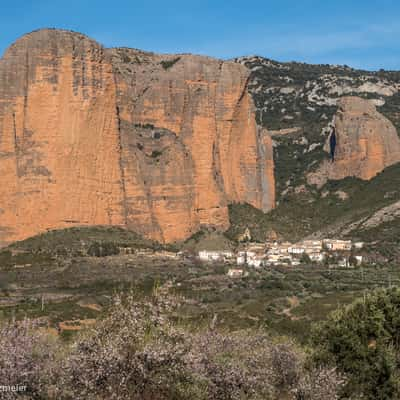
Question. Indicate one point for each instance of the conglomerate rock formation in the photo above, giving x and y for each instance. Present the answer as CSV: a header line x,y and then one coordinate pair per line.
x,y
59,139
296,103
91,136
162,144
367,142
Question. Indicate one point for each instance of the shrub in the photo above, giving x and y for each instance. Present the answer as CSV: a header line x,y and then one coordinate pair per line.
x,y
156,153
320,384
363,340
26,359
167,64
305,259
6,259
104,249
138,353
135,353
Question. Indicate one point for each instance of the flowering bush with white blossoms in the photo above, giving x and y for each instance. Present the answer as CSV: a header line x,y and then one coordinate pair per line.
x,y
26,358
135,353
138,353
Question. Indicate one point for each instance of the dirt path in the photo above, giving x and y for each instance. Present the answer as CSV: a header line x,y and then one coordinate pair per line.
x,y
293,303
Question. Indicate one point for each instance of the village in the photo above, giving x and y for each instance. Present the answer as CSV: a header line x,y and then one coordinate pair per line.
x,y
327,252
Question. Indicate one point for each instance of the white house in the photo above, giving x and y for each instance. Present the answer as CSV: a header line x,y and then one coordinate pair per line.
x,y
317,257
278,259
256,247
206,255
284,247
241,258
344,262
359,259
312,246
273,250
281,248
337,245
250,254
257,261
273,259
295,249
235,273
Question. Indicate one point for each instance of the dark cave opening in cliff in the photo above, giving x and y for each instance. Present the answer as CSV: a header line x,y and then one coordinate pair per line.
x,y
332,144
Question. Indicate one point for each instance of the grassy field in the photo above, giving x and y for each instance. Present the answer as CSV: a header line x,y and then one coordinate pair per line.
x,y
282,300
76,287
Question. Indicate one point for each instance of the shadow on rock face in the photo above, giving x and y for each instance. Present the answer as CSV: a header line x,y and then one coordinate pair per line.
x,y
332,144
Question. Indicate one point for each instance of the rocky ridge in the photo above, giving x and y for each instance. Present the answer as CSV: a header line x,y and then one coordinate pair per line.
x,y
367,143
298,102
95,136
164,144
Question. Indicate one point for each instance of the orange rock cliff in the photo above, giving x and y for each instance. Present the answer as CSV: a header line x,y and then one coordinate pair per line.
x,y
367,143
94,136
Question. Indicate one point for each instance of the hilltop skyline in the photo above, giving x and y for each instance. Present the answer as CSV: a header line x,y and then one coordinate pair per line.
x,y
361,35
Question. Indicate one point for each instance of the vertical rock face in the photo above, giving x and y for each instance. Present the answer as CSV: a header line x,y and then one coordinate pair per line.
x,y
215,155
366,143
59,139
161,144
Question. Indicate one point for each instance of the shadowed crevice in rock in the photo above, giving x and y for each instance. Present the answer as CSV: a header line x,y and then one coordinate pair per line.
x,y
93,136
205,103
366,143
332,144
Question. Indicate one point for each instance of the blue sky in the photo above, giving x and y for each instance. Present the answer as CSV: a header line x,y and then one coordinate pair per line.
x,y
362,34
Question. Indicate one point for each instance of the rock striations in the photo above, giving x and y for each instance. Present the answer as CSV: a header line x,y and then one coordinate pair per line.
x,y
162,144
59,138
94,136
367,142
